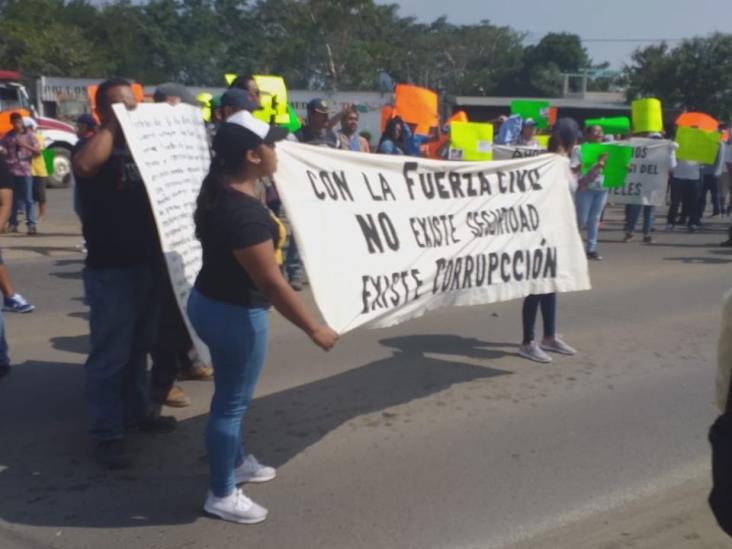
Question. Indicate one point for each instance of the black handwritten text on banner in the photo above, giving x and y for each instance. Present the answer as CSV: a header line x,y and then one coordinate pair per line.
x,y
386,238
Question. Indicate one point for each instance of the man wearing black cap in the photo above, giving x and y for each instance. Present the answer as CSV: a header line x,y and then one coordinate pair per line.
x,y
236,100
527,137
318,130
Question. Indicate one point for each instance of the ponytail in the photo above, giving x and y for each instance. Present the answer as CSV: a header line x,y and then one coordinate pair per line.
x,y
208,196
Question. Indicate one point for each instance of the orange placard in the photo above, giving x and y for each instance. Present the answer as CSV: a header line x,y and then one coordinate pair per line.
x,y
91,93
552,118
459,116
387,113
416,106
5,125
698,120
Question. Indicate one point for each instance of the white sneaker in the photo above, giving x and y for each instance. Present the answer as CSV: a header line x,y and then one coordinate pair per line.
x,y
556,345
251,470
235,507
532,351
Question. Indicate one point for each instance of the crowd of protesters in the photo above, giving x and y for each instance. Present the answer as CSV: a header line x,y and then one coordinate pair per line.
x,y
248,262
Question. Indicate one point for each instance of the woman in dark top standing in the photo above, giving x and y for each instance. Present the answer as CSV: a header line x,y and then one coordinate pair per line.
x,y
563,139
239,279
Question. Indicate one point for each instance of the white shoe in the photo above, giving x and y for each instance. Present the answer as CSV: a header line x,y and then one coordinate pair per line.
x,y
251,470
556,345
532,351
235,507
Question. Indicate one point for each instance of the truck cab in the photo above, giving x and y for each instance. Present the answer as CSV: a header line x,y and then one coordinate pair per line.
x,y
58,136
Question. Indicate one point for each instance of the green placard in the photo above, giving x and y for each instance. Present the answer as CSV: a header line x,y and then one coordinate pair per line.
x,y
49,156
697,145
294,124
611,125
616,165
538,110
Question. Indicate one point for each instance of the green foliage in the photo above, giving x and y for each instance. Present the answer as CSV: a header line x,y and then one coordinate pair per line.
x,y
697,75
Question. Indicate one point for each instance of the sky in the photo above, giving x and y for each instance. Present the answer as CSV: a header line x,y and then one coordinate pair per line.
x,y
591,19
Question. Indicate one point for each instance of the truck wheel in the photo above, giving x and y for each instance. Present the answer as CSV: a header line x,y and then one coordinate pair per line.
x,y
61,168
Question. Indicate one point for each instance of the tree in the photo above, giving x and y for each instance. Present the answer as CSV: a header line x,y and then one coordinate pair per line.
x,y
697,75
544,63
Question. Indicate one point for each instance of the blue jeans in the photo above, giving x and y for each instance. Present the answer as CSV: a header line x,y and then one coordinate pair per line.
x,y
23,196
237,339
632,213
293,265
548,303
123,321
4,358
589,204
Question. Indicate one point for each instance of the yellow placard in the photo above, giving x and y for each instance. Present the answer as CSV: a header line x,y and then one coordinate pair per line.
x,y
543,141
273,98
229,78
204,98
697,145
471,141
647,115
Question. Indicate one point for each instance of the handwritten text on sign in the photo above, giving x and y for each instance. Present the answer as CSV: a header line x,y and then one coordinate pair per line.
x,y
170,148
385,239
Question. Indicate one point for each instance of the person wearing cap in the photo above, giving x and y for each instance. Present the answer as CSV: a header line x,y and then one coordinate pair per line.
x,y
19,146
318,128
173,94
39,172
562,141
240,279
591,196
236,100
527,137
122,277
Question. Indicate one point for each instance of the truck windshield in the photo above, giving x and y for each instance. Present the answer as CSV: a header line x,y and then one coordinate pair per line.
x,y
12,97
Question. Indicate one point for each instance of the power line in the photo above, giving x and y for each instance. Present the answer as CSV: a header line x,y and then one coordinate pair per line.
x,y
632,39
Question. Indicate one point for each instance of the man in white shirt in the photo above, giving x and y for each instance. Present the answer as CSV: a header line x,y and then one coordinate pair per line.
x,y
685,191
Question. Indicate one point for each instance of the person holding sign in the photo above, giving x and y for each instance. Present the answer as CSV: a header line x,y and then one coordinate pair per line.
x,y
393,139
122,281
527,138
591,196
563,140
685,191
239,280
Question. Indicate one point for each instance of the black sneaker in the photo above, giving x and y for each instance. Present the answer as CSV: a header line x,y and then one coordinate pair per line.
x,y
594,256
154,424
111,454
4,369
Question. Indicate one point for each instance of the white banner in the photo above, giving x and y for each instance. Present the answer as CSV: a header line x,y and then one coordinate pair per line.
x,y
386,238
170,147
510,152
648,173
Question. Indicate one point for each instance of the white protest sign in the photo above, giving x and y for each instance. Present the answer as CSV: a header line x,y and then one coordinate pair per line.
x,y
170,147
509,152
647,175
386,238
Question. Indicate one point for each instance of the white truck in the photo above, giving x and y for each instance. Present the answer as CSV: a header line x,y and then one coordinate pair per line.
x,y
58,136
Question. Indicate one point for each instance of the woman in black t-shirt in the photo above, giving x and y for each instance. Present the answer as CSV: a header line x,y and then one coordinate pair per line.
x,y
239,279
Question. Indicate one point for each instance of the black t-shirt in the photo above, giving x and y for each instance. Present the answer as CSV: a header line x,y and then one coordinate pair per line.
x,y
237,221
117,220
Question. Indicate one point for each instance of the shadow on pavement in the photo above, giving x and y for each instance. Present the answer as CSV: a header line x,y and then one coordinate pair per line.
x,y
71,344
700,260
47,477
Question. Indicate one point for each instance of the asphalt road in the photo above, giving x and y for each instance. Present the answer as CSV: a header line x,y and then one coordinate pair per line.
x,y
431,434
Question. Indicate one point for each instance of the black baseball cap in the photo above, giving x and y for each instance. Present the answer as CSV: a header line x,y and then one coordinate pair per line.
x,y
318,105
238,99
242,132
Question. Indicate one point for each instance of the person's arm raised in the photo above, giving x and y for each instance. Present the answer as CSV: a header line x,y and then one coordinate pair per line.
x,y
259,262
92,156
